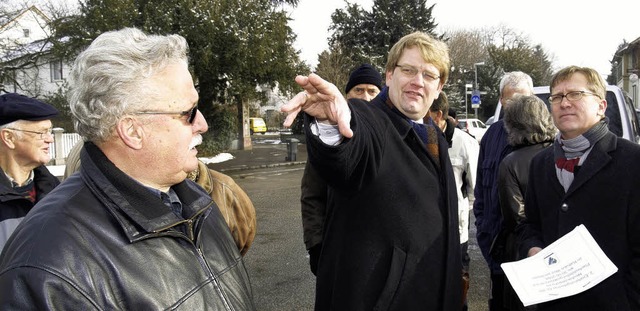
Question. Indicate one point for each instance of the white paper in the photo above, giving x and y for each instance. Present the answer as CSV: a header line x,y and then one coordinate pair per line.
x,y
570,265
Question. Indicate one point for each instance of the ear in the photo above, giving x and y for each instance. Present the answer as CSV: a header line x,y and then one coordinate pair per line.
x,y
602,107
130,132
388,76
8,138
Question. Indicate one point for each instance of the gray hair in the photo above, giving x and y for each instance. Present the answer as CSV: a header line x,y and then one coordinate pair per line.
x,y
528,121
516,79
111,76
15,124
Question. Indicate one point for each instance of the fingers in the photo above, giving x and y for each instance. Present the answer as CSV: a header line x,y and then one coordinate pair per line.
x,y
291,117
293,107
344,124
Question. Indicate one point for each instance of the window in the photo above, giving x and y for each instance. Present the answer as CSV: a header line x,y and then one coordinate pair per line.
x,y
56,70
26,32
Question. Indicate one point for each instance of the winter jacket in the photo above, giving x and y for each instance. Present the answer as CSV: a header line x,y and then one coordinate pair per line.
x,y
603,197
391,237
236,207
234,204
102,241
464,160
486,205
14,205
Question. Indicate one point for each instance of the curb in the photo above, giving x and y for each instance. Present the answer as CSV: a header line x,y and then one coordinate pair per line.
x,y
227,170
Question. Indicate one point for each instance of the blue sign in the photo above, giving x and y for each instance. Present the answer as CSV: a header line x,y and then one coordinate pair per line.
x,y
475,99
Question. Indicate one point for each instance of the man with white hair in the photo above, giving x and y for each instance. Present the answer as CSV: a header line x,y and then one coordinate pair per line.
x,y
130,231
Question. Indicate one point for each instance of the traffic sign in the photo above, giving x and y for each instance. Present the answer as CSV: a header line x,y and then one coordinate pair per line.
x,y
475,99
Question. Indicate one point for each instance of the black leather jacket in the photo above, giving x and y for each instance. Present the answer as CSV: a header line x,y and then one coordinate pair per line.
x,y
102,241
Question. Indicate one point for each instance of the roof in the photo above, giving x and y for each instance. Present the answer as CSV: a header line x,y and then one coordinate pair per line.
x,y
21,14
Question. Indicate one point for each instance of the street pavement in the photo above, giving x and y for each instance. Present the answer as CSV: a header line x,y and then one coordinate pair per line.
x,y
277,261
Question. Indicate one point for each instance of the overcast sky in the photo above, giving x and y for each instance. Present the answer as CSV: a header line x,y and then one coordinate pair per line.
x,y
574,32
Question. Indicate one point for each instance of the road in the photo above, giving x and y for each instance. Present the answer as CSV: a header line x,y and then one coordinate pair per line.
x,y
278,262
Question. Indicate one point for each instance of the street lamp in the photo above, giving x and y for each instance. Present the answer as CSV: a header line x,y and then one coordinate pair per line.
x,y
466,92
475,69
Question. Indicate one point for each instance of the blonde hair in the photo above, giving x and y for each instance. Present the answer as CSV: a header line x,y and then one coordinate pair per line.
x,y
433,51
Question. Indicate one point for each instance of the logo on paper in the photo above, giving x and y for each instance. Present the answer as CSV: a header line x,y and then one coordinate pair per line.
x,y
550,259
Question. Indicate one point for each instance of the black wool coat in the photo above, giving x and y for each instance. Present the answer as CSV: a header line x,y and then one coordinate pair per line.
x,y
391,238
605,197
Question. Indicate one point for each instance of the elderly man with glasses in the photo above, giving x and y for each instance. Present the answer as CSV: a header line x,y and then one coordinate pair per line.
x,y
25,136
130,231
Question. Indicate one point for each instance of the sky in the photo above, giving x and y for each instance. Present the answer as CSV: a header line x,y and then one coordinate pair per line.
x,y
572,32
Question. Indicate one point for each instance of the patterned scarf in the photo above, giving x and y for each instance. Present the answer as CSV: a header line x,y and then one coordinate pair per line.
x,y
571,153
426,131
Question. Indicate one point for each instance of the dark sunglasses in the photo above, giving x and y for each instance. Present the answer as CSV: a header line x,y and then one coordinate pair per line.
x,y
191,113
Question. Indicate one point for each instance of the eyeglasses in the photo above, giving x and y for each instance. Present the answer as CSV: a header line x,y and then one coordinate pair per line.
x,y
191,113
43,135
411,72
571,96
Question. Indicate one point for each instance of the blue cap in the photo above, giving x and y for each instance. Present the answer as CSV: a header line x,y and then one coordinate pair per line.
x,y
15,107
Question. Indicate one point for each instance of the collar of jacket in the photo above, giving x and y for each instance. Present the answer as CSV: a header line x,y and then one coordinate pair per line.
x,y
43,180
402,126
448,131
597,159
123,196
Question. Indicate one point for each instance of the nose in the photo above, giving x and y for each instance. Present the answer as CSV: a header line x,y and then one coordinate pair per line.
x,y
199,123
564,101
48,138
418,79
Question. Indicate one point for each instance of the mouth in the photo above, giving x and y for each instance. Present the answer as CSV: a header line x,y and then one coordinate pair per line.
x,y
196,141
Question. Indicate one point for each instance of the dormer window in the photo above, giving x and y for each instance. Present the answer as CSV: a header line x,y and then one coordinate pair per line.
x,y
26,32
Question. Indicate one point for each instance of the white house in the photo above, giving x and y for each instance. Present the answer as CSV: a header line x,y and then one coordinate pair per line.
x,y
27,65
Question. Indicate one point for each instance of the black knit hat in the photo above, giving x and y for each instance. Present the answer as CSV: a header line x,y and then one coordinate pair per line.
x,y
14,107
365,74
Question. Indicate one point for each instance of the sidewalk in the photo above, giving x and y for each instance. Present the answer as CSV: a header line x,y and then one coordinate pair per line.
x,y
260,156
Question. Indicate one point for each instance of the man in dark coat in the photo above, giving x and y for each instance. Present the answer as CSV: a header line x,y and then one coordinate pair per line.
x,y
25,137
364,83
486,206
589,177
391,238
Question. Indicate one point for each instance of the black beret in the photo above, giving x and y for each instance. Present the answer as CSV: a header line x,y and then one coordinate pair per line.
x,y
15,107
365,74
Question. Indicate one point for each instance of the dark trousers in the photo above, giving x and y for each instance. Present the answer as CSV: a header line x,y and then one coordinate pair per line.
x,y
496,301
465,271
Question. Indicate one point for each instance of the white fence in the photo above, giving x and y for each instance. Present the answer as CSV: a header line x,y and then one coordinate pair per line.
x,y
62,145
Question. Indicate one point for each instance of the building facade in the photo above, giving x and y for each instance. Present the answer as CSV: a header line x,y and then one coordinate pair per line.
x,y
626,70
27,65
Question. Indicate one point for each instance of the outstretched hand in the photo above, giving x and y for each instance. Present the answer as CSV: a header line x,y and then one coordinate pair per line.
x,y
321,100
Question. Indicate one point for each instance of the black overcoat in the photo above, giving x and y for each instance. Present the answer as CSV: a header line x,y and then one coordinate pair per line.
x,y
604,197
391,239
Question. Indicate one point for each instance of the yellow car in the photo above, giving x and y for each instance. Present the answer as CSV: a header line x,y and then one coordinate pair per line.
x,y
257,125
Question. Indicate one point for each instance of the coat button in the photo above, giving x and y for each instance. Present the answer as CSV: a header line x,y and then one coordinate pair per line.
x,y
564,207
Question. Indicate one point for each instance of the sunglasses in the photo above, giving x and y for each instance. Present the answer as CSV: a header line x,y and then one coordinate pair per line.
x,y
190,114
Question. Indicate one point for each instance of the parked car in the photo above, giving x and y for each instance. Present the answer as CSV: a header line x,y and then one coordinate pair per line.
x,y
474,127
623,118
257,125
